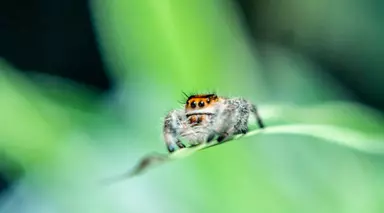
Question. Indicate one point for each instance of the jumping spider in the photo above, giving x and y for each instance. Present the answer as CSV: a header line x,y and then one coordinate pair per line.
x,y
206,116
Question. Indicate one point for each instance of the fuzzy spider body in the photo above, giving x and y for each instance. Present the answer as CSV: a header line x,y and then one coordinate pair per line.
x,y
208,116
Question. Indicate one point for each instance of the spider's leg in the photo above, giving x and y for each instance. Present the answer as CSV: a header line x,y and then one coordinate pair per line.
x,y
239,128
173,124
236,117
257,116
224,121
179,144
211,136
219,124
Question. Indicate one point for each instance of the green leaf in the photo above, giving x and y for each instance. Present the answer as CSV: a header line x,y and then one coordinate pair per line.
x,y
345,124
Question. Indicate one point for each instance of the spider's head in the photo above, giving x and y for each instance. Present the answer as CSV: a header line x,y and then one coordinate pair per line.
x,y
201,102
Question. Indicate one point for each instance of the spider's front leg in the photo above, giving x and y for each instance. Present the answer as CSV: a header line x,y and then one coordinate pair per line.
x,y
173,124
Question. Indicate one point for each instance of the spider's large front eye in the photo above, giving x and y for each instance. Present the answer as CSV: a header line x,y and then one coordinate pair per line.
x,y
201,103
193,104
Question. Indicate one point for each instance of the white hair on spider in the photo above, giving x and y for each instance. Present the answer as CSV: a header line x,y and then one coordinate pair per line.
x,y
206,116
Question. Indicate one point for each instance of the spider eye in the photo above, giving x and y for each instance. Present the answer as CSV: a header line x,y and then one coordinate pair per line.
x,y
208,100
193,104
201,103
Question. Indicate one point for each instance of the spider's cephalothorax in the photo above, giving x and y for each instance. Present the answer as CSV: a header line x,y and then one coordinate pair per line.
x,y
206,116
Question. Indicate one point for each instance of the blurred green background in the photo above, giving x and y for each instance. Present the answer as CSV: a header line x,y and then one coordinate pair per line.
x,y
60,136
